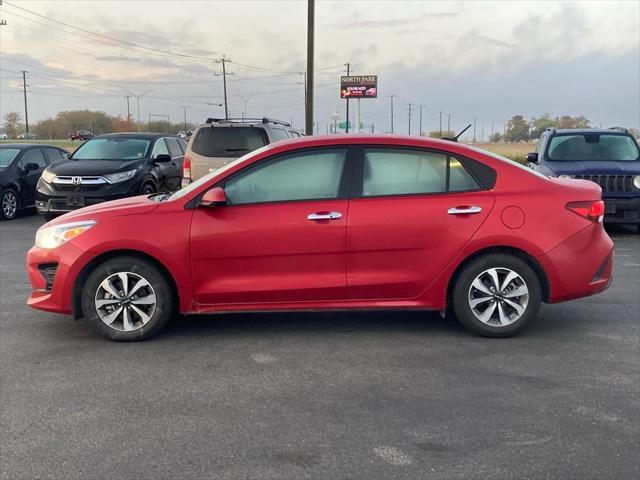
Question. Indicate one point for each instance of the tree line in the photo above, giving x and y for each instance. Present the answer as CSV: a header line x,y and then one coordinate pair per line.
x,y
97,122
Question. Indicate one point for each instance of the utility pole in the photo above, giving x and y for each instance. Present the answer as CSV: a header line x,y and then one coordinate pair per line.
x,y
346,130
482,133
474,130
184,109
491,130
128,112
448,123
308,114
409,119
392,97
223,60
26,110
441,112
420,129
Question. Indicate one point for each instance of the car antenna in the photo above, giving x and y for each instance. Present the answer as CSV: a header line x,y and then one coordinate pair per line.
x,y
455,139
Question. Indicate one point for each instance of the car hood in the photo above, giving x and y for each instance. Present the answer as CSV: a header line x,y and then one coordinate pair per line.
x,y
139,205
93,167
595,167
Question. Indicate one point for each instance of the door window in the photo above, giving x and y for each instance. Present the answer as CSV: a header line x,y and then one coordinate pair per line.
x,y
33,156
306,175
160,148
54,154
403,172
174,147
280,134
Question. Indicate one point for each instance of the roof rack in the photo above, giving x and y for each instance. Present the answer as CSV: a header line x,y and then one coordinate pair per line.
x,y
619,129
248,120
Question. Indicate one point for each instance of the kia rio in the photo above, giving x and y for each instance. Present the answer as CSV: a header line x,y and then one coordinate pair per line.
x,y
336,222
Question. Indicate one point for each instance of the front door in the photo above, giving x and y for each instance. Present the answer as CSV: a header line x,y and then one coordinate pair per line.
x,y
281,236
31,177
413,211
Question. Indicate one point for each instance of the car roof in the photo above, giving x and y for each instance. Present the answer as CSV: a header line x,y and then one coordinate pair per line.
x,y
380,139
139,135
27,145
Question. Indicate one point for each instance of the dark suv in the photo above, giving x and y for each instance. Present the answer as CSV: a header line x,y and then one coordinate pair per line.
x,y
608,157
110,167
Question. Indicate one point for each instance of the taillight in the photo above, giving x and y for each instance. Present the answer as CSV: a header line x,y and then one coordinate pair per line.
x,y
593,211
186,171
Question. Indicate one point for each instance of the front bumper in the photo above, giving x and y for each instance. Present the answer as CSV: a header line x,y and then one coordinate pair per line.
x,y
622,210
58,200
53,293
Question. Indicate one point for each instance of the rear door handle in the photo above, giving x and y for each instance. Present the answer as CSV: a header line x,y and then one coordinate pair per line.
x,y
324,216
466,210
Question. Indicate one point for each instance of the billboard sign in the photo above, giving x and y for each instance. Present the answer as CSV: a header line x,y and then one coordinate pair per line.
x,y
359,86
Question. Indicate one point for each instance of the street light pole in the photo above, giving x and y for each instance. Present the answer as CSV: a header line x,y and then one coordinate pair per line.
x,y
308,116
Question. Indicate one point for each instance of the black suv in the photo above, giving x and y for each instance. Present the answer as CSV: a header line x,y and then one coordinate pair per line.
x,y
21,165
110,167
609,157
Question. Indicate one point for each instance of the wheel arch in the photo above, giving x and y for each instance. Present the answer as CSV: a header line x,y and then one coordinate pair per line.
x,y
76,304
517,252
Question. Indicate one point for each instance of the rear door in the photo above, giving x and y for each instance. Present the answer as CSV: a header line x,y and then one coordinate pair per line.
x,y
177,157
411,212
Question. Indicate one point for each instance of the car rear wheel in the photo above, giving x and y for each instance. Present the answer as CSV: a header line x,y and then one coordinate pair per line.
x,y
127,299
8,205
496,295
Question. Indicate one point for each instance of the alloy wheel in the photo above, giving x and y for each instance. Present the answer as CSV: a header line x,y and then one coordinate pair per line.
x,y
9,204
498,297
125,301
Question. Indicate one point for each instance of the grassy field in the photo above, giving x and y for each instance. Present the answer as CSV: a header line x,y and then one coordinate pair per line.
x,y
514,151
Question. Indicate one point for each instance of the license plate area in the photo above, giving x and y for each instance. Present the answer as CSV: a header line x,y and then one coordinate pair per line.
x,y
75,201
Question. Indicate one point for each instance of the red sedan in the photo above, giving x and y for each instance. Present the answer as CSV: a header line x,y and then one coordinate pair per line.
x,y
337,222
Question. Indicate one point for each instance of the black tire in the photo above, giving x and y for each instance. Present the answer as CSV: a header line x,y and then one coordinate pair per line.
x,y
135,266
9,204
461,295
148,189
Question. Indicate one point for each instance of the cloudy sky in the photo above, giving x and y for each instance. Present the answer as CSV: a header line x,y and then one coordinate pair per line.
x,y
484,59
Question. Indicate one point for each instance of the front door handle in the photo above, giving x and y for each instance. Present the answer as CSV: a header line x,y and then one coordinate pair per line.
x,y
466,210
324,216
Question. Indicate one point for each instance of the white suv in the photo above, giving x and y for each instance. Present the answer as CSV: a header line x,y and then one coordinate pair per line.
x,y
220,141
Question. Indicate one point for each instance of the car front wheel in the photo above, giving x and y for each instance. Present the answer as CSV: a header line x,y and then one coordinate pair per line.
x,y
496,295
127,299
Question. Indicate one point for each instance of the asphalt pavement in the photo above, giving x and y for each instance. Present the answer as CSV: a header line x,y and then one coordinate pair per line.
x,y
325,396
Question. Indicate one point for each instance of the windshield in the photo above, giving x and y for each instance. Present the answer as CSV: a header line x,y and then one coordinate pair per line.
x,y
202,180
116,148
228,141
7,155
592,146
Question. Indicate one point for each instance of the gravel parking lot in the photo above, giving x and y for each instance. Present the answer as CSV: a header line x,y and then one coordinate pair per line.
x,y
339,395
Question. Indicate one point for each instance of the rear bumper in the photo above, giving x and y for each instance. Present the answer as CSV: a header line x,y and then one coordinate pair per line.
x,y
580,266
622,210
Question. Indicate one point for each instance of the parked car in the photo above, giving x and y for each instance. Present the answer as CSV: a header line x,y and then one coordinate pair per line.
x,y
335,222
81,135
27,136
3,136
109,167
608,157
20,168
221,141
182,134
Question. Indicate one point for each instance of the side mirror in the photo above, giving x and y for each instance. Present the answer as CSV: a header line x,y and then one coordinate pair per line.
x,y
213,197
532,157
162,158
29,167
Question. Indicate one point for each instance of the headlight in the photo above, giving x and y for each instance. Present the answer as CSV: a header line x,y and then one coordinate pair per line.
x,y
120,177
56,235
636,181
48,175
565,176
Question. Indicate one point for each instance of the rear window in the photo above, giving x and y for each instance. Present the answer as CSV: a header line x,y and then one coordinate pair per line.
x,y
592,146
228,141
